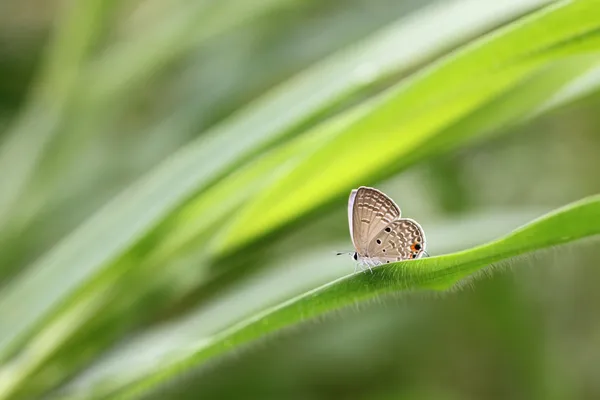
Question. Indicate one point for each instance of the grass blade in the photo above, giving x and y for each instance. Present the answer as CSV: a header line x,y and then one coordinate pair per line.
x,y
127,218
409,115
26,141
573,222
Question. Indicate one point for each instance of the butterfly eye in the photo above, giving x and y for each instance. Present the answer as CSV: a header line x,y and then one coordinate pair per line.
x,y
355,256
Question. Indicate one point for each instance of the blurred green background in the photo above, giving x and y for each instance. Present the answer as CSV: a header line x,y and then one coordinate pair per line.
x,y
107,272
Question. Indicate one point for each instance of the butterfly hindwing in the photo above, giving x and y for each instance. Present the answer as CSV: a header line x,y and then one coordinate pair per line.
x,y
372,211
402,239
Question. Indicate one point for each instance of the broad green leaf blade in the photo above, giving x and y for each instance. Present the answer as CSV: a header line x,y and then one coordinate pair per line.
x,y
505,109
222,198
573,222
233,191
285,276
409,115
121,223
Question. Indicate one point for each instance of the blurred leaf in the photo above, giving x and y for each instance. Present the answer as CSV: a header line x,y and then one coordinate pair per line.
x,y
288,271
280,158
75,37
570,223
407,117
114,229
581,87
512,106
132,61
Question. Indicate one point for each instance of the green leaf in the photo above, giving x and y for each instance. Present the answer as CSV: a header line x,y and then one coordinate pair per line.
x,y
516,104
98,243
133,61
293,271
25,142
264,156
573,222
408,116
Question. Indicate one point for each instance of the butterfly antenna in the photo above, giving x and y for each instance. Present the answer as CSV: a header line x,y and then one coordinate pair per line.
x,y
344,252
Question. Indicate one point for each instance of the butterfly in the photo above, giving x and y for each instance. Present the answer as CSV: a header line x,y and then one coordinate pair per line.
x,y
378,233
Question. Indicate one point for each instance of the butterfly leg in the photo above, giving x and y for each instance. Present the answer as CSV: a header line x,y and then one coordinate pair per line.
x,y
370,264
361,264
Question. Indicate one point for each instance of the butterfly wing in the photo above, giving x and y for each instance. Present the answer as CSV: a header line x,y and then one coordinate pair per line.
x,y
351,214
402,239
372,211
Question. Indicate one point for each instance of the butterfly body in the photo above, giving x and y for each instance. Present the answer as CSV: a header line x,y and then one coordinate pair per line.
x,y
378,233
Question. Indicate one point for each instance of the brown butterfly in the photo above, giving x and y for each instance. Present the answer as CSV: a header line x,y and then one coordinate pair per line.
x,y
378,233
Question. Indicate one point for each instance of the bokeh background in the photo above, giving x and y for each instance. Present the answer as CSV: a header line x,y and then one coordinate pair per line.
x,y
94,97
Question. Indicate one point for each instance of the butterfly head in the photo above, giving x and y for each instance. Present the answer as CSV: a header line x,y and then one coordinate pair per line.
x,y
354,254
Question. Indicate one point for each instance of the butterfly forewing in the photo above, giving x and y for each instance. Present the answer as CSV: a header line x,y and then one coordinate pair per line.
x,y
372,211
397,241
350,214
